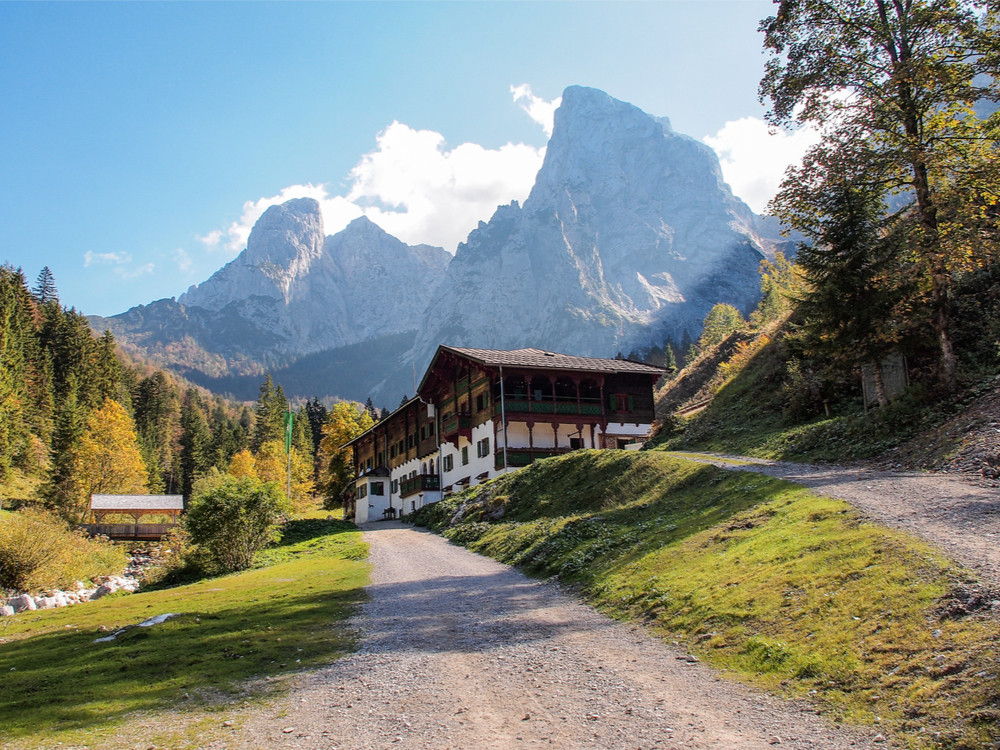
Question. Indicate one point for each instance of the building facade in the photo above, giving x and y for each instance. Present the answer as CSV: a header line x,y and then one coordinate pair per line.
x,y
479,413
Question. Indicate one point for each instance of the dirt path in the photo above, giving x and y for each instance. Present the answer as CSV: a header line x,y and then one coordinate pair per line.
x,y
961,518
459,651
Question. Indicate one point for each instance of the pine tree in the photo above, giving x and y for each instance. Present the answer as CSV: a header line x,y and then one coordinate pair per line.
x,y
157,419
269,423
316,414
62,490
195,441
107,371
45,287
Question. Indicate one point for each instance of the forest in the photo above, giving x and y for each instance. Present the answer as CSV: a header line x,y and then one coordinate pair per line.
x,y
78,418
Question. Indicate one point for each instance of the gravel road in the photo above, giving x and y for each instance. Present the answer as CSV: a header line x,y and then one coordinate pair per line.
x,y
959,517
459,651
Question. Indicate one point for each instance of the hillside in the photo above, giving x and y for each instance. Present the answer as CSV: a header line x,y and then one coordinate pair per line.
x,y
766,391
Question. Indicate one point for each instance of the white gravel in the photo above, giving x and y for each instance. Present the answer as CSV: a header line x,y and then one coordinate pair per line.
x,y
459,651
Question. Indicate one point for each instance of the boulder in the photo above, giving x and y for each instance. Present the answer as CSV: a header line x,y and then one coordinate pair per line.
x,y
6,610
22,603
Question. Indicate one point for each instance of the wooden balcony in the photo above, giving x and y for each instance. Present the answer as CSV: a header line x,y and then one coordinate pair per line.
x,y
419,483
570,407
456,424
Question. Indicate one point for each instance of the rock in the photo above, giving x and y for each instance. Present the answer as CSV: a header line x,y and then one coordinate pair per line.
x,y
45,602
22,603
295,291
103,590
629,231
6,610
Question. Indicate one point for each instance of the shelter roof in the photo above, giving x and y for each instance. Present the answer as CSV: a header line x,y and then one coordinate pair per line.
x,y
137,502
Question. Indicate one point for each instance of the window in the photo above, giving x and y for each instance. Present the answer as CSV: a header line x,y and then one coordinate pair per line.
x,y
378,488
621,402
480,402
465,455
575,444
362,491
483,447
448,463
394,487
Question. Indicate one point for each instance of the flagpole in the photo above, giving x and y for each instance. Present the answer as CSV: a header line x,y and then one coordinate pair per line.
x,y
288,448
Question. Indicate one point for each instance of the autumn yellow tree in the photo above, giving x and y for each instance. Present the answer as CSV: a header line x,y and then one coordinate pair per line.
x,y
243,465
344,422
271,462
108,460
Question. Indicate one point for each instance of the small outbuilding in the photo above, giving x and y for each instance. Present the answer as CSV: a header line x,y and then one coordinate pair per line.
x,y
136,506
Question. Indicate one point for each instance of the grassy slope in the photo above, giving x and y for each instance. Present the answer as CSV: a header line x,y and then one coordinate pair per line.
x,y
756,575
767,431
283,617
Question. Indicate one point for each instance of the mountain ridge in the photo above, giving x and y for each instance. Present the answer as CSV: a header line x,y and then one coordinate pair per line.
x,y
627,238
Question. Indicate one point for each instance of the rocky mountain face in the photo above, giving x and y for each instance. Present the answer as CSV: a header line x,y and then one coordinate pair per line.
x,y
292,292
628,238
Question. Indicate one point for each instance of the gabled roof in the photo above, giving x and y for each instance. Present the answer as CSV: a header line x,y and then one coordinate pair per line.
x,y
137,502
542,359
382,422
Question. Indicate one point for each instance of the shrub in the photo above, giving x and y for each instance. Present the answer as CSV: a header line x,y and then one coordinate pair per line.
x,y
39,551
233,520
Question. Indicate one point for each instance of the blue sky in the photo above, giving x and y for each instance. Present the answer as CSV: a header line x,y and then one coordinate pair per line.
x,y
142,139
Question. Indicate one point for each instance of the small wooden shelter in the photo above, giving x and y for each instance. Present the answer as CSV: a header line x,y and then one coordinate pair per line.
x,y
136,506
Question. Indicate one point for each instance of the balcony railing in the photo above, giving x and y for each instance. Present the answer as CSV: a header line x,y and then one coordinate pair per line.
x,y
419,483
585,407
455,423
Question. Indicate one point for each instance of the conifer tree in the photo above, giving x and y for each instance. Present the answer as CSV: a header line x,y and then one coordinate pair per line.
x,y
195,441
45,287
269,423
316,414
62,490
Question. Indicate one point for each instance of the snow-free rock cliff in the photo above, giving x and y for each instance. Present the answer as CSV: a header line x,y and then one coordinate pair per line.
x,y
629,236
291,292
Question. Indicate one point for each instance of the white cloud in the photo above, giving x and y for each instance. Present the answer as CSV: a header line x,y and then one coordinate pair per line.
x,y
538,109
234,238
416,188
134,273
92,258
413,186
754,159
182,259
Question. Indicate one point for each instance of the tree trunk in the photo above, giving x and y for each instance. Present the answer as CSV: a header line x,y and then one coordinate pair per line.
x,y
883,400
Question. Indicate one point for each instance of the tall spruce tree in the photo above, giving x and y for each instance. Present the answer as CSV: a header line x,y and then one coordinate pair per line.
x,y
269,413
45,287
195,441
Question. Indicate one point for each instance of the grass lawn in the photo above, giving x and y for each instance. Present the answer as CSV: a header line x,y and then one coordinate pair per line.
x,y
288,615
757,576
